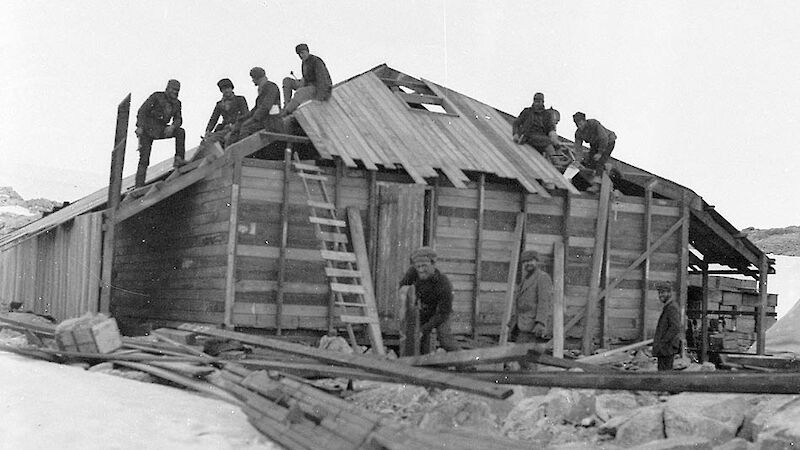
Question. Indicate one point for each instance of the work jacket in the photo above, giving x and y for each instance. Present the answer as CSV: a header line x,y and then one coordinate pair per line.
x,y
156,113
230,109
315,73
667,339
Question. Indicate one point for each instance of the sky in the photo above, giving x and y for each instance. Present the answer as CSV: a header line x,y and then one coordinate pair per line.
x,y
706,94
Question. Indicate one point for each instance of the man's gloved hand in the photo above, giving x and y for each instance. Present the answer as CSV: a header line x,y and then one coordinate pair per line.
x,y
538,329
169,130
139,131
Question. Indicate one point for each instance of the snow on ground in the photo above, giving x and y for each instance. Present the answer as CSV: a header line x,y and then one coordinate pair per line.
x,y
45,405
16,209
785,282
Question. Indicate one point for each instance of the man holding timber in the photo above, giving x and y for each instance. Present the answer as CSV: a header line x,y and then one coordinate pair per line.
x,y
263,116
315,85
230,107
153,122
435,296
667,339
601,143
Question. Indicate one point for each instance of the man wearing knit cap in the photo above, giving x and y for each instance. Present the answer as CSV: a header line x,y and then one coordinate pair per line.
x,y
153,122
315,84
263,116
533,318
230,107
435,295
667,338
601,143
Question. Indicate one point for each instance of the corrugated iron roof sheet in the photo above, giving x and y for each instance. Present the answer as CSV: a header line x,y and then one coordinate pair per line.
x,y
365,121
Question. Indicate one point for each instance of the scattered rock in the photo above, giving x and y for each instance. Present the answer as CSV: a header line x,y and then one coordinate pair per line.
x,y
614,404
736,444
644,425
759,410
782,430
715,417
678,443
568,405
463,412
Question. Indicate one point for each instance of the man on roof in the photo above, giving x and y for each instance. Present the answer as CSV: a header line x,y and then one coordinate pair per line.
x,y
601,143
536,126
435,295
315,85
230,107
153,122
263,116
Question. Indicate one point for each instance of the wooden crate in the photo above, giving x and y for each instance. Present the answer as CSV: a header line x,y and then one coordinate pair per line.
x,y
102,337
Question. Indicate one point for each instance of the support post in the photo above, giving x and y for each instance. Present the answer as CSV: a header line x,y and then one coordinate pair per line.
x,y
372,222
512,277
558,299
683,269
233,235
287,172
605,337
648,230
704,317
478,255
114,196
763,273
597,264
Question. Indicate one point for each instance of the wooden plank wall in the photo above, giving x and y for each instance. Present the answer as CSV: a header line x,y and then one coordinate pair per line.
x,y
171,259
57,272
305,300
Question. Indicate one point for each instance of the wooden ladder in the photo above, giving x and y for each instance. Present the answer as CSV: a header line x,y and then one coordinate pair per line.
x,y
347,271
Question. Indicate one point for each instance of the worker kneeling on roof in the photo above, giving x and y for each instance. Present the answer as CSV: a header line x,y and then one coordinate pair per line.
x,y
435,296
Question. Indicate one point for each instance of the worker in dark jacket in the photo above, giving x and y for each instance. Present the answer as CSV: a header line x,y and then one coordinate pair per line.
x,y
153,122
435,296
263,116
315,84
536,126
230,108
667,339
601,143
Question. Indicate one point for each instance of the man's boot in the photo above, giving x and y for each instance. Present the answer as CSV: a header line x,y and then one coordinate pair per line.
x,y
178,161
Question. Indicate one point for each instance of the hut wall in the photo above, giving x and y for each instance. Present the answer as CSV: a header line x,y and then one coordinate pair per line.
x,y
170,260
56,272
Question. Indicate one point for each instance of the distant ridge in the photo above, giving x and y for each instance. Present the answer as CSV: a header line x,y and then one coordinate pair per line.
x,y
16,212
778,241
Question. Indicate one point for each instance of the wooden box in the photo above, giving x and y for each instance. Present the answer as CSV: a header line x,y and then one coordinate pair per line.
x,y
102,337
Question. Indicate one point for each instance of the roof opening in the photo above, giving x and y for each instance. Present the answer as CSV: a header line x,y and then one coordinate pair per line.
x,y
418,96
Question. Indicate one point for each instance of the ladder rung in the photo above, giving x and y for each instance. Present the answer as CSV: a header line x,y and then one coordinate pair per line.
x,y
308,167
340,238
328,222
323,205
348,288
350,304
338,256
343,273
311,176
357,319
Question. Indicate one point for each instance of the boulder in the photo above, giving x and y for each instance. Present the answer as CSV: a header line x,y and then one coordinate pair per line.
x,y
761,409
521,421
569,405
463,412
678,443
644,425
611,405
715,417
782,430
736,444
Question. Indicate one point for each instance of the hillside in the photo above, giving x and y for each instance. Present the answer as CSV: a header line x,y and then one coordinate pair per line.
x,y
16,211
778,241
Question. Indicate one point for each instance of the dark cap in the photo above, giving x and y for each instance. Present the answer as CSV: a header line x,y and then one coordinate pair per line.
x,y
223,83
423,253
529,255
664,286
300,47
173,84
578,116
257,72
538,94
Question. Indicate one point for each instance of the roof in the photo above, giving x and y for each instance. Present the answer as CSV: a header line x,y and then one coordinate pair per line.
x,y
379,118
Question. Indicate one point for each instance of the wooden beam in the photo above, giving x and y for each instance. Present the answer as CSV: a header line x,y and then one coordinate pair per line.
x,y
476,292
360,249
733,382
287,173
474,357
558,299
399,371
512,277
648,230
372,221
683,267
114,196
600,358
763,269
717,229
704,318
230,251
597,264
605,336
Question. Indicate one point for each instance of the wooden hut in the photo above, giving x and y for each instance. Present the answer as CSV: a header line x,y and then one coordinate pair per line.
x,y
230,242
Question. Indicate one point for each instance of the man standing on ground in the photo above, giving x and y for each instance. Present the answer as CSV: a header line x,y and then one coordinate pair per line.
x,y
533,317
315,84
264,116
536,126
435,295
601,143
153,122
667,339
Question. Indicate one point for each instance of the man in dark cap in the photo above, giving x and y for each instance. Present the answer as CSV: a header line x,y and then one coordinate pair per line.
x,y
536,126
263,116
153,122
315,84
667,339
230,107
601,143
435,295
533,318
